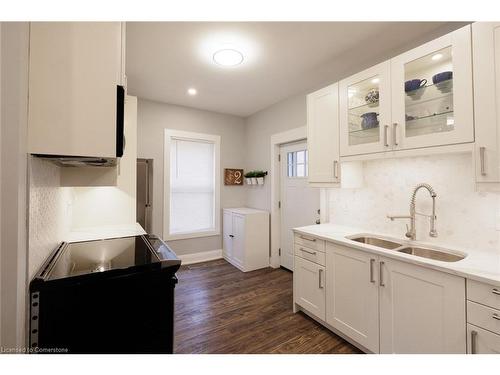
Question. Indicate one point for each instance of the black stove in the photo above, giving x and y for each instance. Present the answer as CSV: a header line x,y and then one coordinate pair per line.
x,y
105,296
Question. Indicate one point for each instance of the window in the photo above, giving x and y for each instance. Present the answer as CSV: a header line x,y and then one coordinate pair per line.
x,y
191,185
297,163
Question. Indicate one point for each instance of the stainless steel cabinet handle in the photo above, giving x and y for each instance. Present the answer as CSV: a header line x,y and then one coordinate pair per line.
x,y
496,316
320,273
307,251
473,336
496,291
306,238
482,150
372,262
386,142
380,275
335,169
395,134
231,236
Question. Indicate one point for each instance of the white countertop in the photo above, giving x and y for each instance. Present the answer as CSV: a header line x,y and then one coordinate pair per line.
x,y
104,231
478,265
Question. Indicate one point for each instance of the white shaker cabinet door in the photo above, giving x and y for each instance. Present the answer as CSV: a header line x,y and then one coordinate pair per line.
x,y
309,286
352,294
421,310
323,135
227,232
238,248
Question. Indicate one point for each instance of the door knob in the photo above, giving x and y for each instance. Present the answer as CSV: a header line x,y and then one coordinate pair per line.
x,y
318,221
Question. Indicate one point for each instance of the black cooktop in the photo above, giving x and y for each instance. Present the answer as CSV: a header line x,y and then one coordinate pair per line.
x,y
79,258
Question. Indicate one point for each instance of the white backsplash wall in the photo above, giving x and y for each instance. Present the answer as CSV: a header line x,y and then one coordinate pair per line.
x,y
50,212
466,219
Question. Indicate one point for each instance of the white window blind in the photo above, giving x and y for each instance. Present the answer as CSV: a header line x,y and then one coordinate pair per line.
x,y
192,186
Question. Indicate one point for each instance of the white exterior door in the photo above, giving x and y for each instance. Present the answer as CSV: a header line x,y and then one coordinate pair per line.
x,y
421,310
227,232
309,280
299,202
238,239
352,294
437,108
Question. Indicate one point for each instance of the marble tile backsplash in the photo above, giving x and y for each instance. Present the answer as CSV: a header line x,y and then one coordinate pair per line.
x,y
466,219
49,212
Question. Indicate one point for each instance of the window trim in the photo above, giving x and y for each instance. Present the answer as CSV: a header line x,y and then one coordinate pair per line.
x,y
189,136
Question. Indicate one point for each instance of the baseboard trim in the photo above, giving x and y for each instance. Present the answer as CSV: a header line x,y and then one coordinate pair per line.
x,y
203,256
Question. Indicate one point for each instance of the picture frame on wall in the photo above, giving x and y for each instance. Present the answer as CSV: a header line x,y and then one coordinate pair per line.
x,y
233,176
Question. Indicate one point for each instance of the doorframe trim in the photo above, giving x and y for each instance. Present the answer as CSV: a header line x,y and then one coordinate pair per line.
x,y
278,139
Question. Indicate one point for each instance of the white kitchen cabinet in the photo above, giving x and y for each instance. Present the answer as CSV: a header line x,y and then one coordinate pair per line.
x,y
76,94
323,135
309,286
486,71
365,111
434,113
246,238
482,341
352,294
421,310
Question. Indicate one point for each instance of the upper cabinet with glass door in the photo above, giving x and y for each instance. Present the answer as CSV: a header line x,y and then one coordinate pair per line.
x,y
432,93
365,101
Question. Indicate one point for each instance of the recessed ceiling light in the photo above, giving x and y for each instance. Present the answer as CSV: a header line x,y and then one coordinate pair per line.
x,y
228,57
375,80
437,56
192,91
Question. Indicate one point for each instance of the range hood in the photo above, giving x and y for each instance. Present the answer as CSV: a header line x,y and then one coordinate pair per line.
x,y
78,161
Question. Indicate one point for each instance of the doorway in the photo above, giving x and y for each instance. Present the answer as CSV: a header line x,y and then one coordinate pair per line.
x,y
299,203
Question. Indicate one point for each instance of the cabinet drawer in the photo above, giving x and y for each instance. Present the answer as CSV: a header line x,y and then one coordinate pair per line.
x,y
483,316
310,254
485,294
480,341
310,242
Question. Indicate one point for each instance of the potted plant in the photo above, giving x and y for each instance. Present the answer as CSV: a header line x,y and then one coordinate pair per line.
x,y
249,177
259,176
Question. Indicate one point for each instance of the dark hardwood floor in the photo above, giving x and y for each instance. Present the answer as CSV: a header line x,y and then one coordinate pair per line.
x,y
220,309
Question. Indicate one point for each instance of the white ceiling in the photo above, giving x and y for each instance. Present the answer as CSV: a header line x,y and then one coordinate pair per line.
x,y
282,59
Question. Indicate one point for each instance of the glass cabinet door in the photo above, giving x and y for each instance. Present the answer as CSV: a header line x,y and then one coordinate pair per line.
x,y
432,93
364,111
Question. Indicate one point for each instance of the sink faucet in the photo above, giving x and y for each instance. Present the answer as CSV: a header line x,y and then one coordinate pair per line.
x,y
411,232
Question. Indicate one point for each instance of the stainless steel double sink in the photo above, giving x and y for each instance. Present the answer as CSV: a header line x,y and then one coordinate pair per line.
x,y
401,247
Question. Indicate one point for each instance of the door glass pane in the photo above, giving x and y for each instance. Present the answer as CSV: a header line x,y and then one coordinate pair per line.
x,y
297,164
429,94
301,170
364,111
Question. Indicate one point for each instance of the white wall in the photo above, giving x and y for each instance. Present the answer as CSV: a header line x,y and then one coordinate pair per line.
x,y
153,118
466,219
14,92
286,115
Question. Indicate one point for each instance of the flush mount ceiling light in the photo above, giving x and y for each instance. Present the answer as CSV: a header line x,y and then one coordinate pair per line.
x,y
228,57
437,56
192,91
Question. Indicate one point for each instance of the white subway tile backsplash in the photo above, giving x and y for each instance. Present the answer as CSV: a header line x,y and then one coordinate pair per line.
x,y
465,218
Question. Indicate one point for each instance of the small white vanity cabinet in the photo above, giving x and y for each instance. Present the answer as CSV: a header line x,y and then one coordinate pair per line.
x,y
381,304
483,318
486,57
76,89
323,135
246,238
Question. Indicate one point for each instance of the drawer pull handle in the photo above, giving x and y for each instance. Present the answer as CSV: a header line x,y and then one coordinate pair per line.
x,y
496,291
482,150
308,239
320,273
496,316
473,335
307,251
